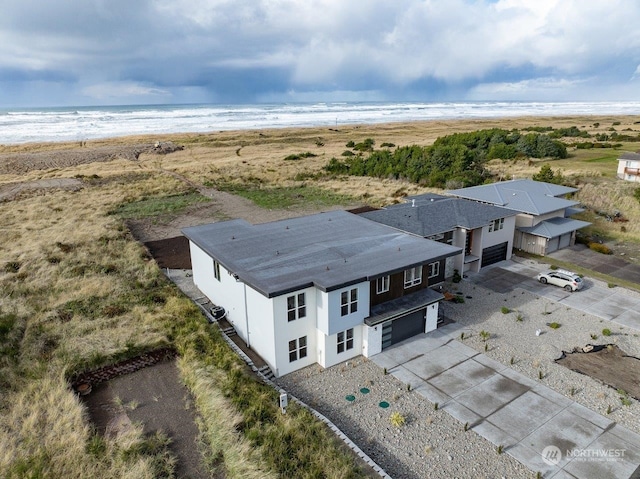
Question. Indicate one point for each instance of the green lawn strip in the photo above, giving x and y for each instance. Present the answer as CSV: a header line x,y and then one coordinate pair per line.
x,y
280,197
161,205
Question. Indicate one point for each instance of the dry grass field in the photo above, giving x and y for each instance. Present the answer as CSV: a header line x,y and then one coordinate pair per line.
x,y
78,291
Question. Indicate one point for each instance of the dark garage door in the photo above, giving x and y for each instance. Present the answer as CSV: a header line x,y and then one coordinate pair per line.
x,y
403,328
493,254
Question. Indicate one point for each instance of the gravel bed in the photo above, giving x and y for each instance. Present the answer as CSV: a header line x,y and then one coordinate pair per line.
x,y
514,341
433,444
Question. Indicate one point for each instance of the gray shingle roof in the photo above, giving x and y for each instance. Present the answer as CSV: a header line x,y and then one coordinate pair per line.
x,y
554,227
526,196
328,250
428,217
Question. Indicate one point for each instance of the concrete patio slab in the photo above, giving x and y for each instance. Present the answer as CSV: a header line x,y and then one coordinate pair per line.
x,y
406,377
533,460
490,363
586,413
462,414
463,349
523,415
495,435
562,474
494,393
431,393
603,458
630,319
461,377
566,430
434,363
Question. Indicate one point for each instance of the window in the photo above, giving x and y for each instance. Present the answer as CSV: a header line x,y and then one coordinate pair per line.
x,y
496,225
296,307
349,302
297,349
382,285
216,270
433,269
412,276
345,340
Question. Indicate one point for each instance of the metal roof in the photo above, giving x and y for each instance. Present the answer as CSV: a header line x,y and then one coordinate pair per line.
x,y
629,156
525,196
440,215
329,250
554,227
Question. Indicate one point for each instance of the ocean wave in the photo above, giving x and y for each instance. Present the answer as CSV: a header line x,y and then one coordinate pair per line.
x,y
82,123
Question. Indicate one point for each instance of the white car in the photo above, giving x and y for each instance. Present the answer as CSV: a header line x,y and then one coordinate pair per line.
x,y
560,277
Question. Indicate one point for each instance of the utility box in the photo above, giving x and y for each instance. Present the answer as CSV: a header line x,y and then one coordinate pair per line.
x,y
284,400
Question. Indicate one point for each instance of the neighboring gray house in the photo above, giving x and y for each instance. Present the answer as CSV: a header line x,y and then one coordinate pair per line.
x,y
629,167
483,232
543,221
317,289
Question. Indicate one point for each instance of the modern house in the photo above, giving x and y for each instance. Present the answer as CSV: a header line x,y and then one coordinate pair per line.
x,y
483,232
629,167
318,289
543,220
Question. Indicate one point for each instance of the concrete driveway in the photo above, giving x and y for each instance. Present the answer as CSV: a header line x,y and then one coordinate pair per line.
x,y
612,304
533,423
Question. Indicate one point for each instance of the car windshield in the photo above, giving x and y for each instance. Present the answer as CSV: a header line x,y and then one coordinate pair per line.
x,y
578,279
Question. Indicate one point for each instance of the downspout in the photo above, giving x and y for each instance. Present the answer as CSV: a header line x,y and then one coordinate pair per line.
x,y
246,314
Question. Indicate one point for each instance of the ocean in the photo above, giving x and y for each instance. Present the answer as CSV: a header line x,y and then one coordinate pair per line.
x,y
85,123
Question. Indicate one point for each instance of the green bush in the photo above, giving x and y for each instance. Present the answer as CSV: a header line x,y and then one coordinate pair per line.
x,y
606,332
505,310
554,325
600,248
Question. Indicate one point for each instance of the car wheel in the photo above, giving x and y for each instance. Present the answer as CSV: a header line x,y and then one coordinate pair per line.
x,y
543,280
568,288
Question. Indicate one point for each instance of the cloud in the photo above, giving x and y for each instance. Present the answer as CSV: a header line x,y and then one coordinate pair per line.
x,y
122,90
246,50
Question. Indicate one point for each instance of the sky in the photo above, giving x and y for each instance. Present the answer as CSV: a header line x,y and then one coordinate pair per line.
x,y
114,52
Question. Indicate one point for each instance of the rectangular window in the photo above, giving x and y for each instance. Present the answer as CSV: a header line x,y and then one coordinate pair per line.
x,y
297,349
412,277
345,340
496,225
216,270
382,285
349,302
433,269
296,307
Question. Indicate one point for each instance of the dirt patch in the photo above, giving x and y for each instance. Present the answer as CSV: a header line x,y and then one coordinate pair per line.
x,y
12,190
607,363
171,253
23,162
155,397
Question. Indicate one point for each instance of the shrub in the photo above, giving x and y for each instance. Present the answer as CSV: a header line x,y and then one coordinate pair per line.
x,y
505,310
397,419
456,276
636,194
348,153
554,325
600,248
485,335
606,332
350,144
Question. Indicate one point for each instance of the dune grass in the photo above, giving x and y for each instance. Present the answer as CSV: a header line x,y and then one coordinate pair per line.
x,y
77,292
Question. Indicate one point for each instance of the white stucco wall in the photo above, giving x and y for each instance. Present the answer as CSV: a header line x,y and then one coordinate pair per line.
x,y
261,331
330,320
286,331
328,348
226,292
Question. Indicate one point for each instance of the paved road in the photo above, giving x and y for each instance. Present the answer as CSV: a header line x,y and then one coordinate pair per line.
x,y
527,418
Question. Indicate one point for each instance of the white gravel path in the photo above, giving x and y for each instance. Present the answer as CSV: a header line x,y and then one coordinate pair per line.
x,y
432,443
